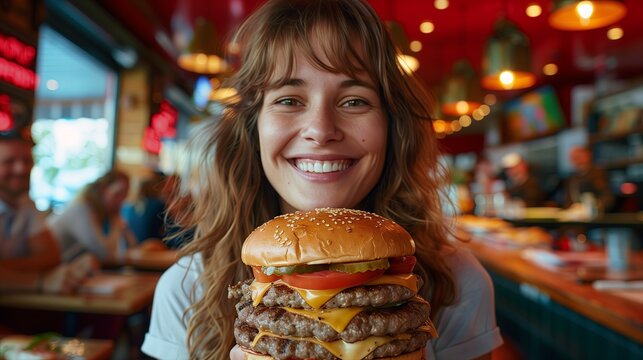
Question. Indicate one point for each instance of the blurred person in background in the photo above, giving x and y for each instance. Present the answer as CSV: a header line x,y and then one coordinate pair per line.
x,y
93,223
484,184
521,184
29,255
145,214
587,178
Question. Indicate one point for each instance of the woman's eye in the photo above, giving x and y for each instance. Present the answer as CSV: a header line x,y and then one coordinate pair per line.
x,y
288,102
355,102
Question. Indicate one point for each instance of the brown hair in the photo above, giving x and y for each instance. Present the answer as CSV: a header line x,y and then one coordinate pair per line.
x,y
92,194
232,195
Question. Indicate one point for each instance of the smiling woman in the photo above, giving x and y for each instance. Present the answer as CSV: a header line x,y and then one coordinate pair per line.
x,y
325,118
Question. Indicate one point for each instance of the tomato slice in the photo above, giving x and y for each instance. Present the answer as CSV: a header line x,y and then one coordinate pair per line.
x,y
401,265
261,277
328,279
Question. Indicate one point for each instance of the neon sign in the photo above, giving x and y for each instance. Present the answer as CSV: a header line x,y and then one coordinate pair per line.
x,y
6,118
16,61
15,50
163,126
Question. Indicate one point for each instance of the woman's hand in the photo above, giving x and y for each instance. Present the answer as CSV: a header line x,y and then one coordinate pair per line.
x,y
236,353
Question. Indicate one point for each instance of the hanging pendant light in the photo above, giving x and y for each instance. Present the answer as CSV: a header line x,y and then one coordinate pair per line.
x,y
461,93
405,59
203,54
506,64
221,93
585,15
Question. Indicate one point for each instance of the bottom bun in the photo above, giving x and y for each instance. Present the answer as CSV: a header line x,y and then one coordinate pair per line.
x,y
416,355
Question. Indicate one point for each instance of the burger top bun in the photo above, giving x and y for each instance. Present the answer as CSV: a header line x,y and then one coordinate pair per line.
x,y
416,355
325,236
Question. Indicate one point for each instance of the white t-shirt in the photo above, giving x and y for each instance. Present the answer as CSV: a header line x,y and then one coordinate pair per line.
x,y
467,329
17,226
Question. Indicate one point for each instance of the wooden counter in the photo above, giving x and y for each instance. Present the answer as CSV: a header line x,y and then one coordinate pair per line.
x,y
633,220
618,313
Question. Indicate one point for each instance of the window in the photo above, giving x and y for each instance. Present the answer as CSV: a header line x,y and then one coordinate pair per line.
x,y
74,121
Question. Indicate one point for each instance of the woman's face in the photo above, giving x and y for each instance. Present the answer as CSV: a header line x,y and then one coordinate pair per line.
x,y
322,138
114,195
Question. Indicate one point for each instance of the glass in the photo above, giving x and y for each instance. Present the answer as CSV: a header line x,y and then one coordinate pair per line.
x,y
618,248
74,121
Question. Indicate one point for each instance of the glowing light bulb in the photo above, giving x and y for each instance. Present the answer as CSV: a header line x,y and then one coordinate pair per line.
x,y
461,107
439,126
615,33
550,69
585,9
455,126
415,46
465,120
427,27
507,78
478,114
533,10
441,4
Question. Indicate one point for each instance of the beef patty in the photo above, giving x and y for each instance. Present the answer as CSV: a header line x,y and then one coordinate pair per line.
x,y
281,348
360,296
370,322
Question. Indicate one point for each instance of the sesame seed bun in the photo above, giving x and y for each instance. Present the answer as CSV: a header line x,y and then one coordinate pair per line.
x,y
325,236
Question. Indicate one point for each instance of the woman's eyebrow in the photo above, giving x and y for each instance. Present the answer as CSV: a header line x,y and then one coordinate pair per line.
x,y
300,82
289,82
354,82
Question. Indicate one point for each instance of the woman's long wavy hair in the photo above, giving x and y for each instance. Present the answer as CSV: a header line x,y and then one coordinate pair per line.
x,y
231,195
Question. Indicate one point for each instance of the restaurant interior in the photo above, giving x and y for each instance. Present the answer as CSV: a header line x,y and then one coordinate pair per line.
x,y
123,84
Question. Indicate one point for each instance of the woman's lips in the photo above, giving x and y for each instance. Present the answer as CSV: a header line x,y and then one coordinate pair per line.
x,y
322,166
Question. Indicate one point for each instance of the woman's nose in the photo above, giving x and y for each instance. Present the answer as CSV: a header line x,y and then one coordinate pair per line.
x,y
322,125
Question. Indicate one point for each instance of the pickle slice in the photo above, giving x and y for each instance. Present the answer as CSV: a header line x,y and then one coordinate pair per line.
x,y
357,267
293,269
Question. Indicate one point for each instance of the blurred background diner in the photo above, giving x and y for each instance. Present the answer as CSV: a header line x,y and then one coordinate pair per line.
x,y
538,111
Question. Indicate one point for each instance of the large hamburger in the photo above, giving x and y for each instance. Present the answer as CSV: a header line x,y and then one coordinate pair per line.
x,y
331,284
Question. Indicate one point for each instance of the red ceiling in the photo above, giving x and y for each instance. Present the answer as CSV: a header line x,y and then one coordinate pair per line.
x,y
461,31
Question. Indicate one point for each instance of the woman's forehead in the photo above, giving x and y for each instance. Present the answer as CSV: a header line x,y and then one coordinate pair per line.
x,y
320,55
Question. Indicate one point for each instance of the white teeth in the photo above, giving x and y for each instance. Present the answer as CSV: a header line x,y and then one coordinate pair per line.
x,y
320,167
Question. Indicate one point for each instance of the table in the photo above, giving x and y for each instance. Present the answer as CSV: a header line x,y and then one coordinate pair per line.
x,y
134,293
109,295
89,349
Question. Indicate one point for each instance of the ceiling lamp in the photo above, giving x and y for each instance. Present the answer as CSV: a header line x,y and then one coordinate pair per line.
x,y
203,54
506,64
461,92
222,94
407,62
585,15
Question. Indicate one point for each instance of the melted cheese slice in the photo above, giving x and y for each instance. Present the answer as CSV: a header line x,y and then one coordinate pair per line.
x,y
338,319
340,348
317,298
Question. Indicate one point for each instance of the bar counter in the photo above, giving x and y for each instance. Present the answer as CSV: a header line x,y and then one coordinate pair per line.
x,y
557,316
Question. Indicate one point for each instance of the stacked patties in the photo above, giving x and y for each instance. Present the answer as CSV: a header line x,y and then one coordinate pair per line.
x,y
331,284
